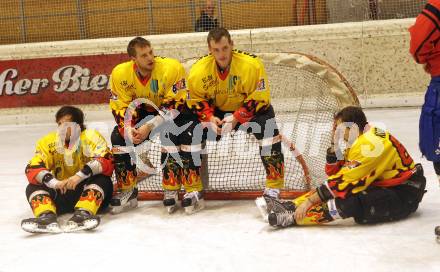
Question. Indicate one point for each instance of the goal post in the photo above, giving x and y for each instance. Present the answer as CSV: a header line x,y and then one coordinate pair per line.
x,y
306,92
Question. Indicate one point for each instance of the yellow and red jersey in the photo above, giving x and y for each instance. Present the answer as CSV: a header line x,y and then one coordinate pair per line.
x,y
425,34
165,88
52,155
376,158
242,89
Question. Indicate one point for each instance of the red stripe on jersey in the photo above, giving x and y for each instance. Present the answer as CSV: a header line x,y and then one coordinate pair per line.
x,y
205,112
107,166
333,168
223,74
399,179
142,79
246,112
31,174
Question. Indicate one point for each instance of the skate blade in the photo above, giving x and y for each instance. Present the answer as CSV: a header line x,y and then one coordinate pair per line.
x,y
128,206
88,225
200,205
33,228
262,207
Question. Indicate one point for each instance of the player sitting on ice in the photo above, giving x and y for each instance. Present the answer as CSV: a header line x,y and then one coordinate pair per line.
x,y
229,90
375,181
70,172
145,91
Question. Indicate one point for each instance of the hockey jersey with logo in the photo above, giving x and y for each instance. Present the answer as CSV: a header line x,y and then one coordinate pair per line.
x,y
243,89
375,158
65,161
165,88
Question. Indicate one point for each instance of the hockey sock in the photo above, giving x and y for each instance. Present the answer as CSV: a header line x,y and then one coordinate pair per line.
x,y
316,215
171,172
91,198
274,166
41,202
190,173
125,172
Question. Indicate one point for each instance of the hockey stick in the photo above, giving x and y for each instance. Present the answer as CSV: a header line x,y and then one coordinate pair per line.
x,y
299,157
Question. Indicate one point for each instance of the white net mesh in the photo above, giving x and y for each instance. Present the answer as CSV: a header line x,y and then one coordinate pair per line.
x,y
311,93
23,21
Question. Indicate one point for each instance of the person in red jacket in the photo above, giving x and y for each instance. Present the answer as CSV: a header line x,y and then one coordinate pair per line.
x,y
425,48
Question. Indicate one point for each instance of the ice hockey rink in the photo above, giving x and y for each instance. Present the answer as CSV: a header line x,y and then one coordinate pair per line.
x,y
226,236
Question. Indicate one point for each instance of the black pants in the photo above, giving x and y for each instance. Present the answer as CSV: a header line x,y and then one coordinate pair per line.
x,y
380,204
65,203
264,119
437,168
181,141
184,130
262,126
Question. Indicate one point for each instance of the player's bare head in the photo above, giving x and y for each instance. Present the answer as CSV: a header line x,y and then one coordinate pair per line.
x,y
220,46
140,51
352,114
137,42
70,114
217,35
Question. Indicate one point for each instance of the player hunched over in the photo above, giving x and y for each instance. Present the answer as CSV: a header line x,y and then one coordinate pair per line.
x,y
229,90
382,185
69,172
148,99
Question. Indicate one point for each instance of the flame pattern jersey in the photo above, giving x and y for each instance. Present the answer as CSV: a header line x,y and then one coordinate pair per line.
x,y
165,88
375,158
63,161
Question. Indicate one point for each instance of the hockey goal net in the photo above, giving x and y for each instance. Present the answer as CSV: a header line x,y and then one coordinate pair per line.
x,y
306,93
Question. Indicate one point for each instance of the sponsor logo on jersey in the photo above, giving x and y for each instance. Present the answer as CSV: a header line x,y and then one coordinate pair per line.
x,y
232,82
207,78
126,86
261,85
208,82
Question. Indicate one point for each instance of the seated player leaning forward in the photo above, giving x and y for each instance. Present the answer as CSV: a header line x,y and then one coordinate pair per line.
x,y
229,88
375,181
70,172
152,91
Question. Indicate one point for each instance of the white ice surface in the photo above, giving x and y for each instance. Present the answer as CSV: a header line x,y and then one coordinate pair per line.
x,y
227,236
